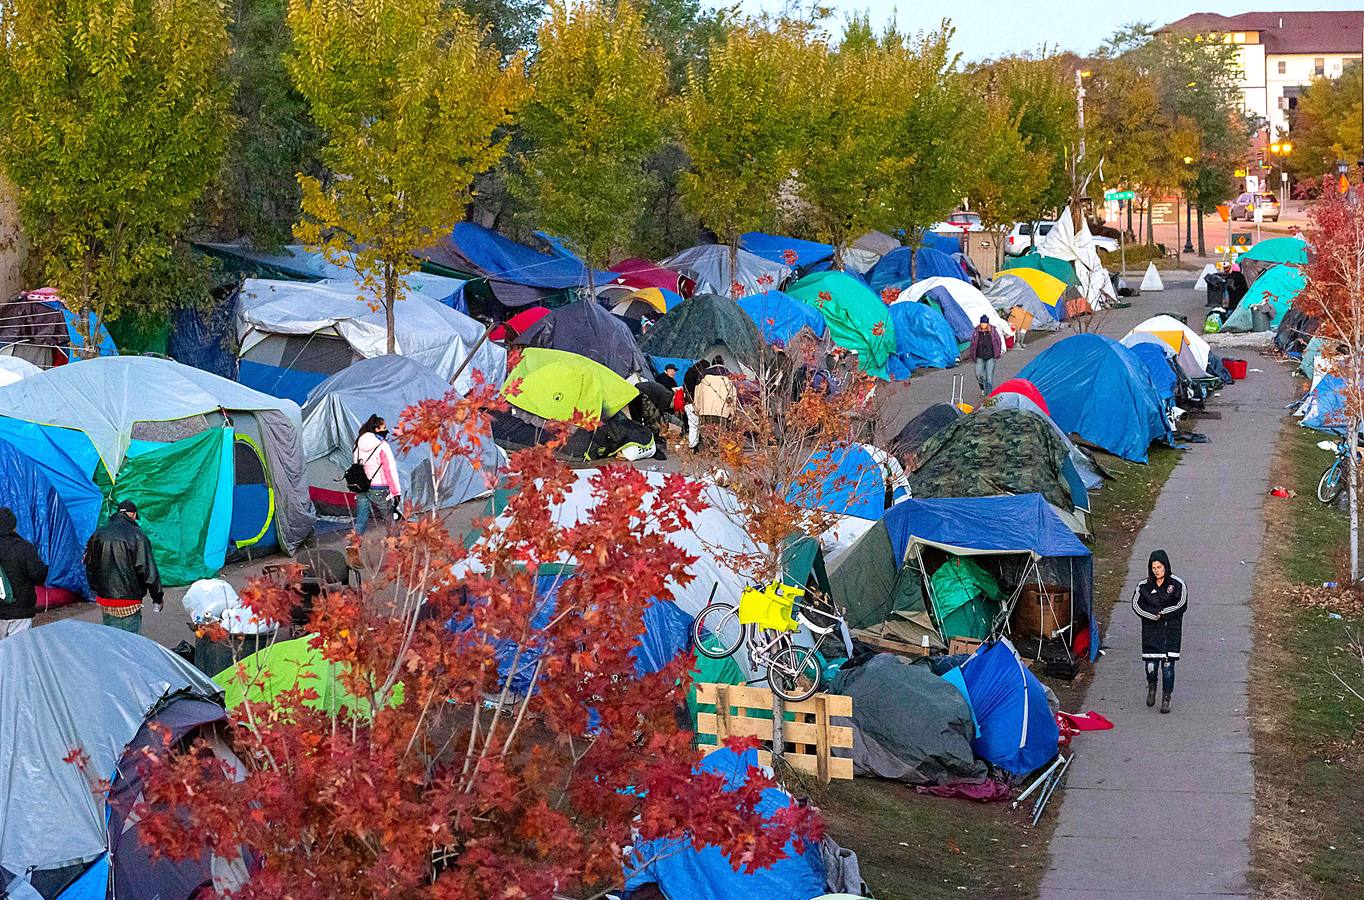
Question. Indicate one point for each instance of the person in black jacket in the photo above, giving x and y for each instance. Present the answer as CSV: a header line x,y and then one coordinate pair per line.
x,y
122,570
24,570
1161,601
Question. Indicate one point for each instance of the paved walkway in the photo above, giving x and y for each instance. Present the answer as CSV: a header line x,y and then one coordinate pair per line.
x,y
1160,807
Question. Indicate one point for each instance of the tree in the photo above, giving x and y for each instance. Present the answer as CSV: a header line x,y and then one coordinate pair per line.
x,y
1326,125
1335,295
595,115
738,126
113,117
428,793
1006,176
508,25
412,104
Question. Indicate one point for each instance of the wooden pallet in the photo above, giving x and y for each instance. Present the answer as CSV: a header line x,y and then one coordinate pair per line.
x,y
742,711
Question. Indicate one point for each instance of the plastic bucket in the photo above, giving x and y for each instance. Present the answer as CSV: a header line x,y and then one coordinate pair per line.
x,y
1236,368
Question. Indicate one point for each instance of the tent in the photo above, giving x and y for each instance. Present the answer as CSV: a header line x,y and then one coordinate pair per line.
x,y
518,323
1026,388
1049,289
856,317
1008,291
1156,356
892,268
1279,286
284,666
72,685
293,335
646,302
930,263
923,339
1097,389
1018,732
211,464
557,385
37,327
14,368
865,252
780,317
786,251
908,724
998,450
1066,243
589,330
883,581
44,521
637,274
1059,269
917,431
708,266
681,870
1189,348
1090,474
703,326
855,480
1272,252
962,305
385,386
517,275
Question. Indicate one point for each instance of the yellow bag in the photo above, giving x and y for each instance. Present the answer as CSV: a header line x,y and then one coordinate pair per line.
x,y
770,607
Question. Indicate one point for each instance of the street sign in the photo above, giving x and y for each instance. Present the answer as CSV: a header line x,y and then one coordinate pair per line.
x,y
1119,195
1162,213
1239,173
1224,212
1241,239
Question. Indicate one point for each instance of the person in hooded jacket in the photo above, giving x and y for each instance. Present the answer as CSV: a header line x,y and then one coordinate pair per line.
x,y
1161,601
24,570
122,570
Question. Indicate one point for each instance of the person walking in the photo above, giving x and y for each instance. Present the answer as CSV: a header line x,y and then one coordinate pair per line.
x,y
986,347
122,570
23,570
1161,601
373,453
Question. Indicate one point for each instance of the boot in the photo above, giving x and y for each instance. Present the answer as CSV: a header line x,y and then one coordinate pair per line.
x,y
1164,702
1151,693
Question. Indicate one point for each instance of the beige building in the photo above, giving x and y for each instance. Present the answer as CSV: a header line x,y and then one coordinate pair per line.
x,y
1281,52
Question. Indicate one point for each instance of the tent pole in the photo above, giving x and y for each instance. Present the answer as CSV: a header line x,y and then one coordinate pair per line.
x,y
472,353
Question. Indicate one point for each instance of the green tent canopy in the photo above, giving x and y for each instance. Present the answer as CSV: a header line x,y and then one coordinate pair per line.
x,y
285,666
1289,250
966,598
1279,286
1056,268
856,317
556,384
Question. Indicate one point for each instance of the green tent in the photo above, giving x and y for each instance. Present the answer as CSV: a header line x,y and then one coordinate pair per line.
x,y
1056,268
966,598
1275,250
285,666
555,384
856,317
1279,286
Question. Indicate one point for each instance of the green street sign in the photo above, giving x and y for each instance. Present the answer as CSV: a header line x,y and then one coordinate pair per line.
x,y
1119,195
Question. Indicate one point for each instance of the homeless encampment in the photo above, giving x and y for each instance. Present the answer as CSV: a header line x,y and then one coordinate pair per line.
x,y
587,329
856,317
705,326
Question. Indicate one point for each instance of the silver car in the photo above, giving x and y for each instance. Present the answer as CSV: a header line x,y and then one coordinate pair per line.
x,y
1246,204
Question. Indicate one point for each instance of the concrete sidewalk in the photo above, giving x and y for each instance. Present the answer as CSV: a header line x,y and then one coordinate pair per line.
x,y
1161,806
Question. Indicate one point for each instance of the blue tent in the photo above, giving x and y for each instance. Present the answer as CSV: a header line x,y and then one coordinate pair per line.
x,y
1096,388
891,269
1017,730
929,263
923,339
1324,406
943,243
855,485
774,248
682,871
43,517
780,316
503,259
1158,366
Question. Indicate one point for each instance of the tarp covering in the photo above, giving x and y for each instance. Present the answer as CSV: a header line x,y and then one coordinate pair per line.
x,y
892,268
865,252
930,263
386,385
1279,287
778,249
555,384
703,325
856,317
1088,472
1290,250
1097,389
923,339
502,259
780,317
425,330
1007,292
1064,242
962,305
1156,359
589,330
42,517
708,265
853,485
73,685
707,874
965,599
641,273
908,724
1017,730
971,525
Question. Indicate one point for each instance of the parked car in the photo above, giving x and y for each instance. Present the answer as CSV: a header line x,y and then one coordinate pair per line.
x,y
1020,238
958,222
1246,204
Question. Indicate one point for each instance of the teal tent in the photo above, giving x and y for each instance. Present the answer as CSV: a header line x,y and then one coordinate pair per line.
x,y
856,317
1060,269
1279,286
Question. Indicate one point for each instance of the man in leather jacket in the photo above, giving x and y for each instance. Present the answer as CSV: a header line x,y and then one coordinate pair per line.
x,y
121,569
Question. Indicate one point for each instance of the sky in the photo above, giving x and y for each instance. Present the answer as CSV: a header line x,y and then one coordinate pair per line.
x,y
988,28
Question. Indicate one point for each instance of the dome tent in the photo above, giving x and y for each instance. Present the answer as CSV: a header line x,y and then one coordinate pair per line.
x,y
1160,365
1189,348
703,326
780,317
856,317
586,328
923,339
44,521
1279,287
708,266
385,386
1097,389
962,305
1008,291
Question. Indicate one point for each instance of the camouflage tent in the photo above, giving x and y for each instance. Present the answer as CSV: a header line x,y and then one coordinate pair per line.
x,y
1002,451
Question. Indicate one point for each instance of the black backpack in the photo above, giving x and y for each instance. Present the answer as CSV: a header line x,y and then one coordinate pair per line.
x,y
355,476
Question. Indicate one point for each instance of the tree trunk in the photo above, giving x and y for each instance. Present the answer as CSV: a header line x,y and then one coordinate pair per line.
x,y
1131,235
1353,487
390,300
1202,248
733,264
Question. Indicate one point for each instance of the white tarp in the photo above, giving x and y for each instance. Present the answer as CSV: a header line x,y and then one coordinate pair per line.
x,y
972,302
13,368
708,266
1063,242
427,331
1193,355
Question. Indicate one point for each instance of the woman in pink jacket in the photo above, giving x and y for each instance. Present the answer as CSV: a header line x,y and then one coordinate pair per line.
x,y
381,468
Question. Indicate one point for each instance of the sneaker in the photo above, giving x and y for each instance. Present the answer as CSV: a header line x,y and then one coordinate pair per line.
x,y
1165,703
1150,695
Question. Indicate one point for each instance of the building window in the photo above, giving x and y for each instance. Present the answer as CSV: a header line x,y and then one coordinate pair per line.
x,y
1238,37
1283,67
1319,66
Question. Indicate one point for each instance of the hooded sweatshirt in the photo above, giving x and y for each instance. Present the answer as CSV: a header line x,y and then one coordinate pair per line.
x,y
1155,602
23,567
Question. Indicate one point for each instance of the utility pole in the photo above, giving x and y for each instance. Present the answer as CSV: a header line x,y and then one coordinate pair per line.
x,y
1080,116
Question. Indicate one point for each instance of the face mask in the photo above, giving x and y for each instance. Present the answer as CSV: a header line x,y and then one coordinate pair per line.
x,y
382,433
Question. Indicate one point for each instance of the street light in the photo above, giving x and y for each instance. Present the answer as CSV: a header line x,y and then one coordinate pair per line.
x,y
1188,215
1282,149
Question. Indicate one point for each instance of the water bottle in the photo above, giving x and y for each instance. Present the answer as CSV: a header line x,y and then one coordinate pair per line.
x,y
1330,584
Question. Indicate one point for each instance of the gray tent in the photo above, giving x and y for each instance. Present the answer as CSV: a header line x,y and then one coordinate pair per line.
x,y
704,326
586,328
909,724
77,686
1008,291
708,265
384,385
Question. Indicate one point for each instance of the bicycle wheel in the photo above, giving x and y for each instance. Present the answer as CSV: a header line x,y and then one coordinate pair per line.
x,y
1328,488
716,632
793,674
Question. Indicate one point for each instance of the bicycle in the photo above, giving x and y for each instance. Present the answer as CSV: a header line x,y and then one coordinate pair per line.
x,y
1329,487
765,622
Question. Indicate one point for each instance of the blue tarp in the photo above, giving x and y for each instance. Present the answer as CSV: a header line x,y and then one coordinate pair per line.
x,y
773,248
1158,366
855,486
958,320
890,269
204,338
278,381
667,631
505,260
43,518
780,316
1326,406
681,871
1096,388
943,243
68,460
929,263
923,339
1017,730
